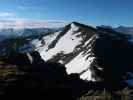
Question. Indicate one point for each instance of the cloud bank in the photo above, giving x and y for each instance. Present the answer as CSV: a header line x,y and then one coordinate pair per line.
x,y
19,23
7,14
11,20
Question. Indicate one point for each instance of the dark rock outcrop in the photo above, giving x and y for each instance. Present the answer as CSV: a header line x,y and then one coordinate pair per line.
x,y
113,58
48,80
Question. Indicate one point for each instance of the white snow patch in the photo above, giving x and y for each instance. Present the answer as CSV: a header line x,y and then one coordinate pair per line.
x,y
36,43
74,27
60,61
87,76
79,64
48,39
66,45
88,41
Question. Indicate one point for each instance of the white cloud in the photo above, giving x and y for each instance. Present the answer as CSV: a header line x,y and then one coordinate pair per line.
x,y
12,20
7,14
26,23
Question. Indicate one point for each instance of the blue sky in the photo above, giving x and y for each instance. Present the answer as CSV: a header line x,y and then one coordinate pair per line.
x,y
93,12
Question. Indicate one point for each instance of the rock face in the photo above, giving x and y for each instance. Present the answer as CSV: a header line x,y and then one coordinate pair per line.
x,y
113,58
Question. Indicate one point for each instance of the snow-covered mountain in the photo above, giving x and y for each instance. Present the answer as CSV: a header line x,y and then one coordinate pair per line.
x,y
67,45
71,45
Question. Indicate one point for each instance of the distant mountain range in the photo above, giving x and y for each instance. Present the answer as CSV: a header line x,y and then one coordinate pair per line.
x,y
14,32
10,33
122,29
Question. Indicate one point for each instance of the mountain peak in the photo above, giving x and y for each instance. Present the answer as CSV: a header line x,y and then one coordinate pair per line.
x,y
79,24
76,23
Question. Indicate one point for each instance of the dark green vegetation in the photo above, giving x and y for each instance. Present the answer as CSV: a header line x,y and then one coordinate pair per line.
x,y
21,77
125,94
